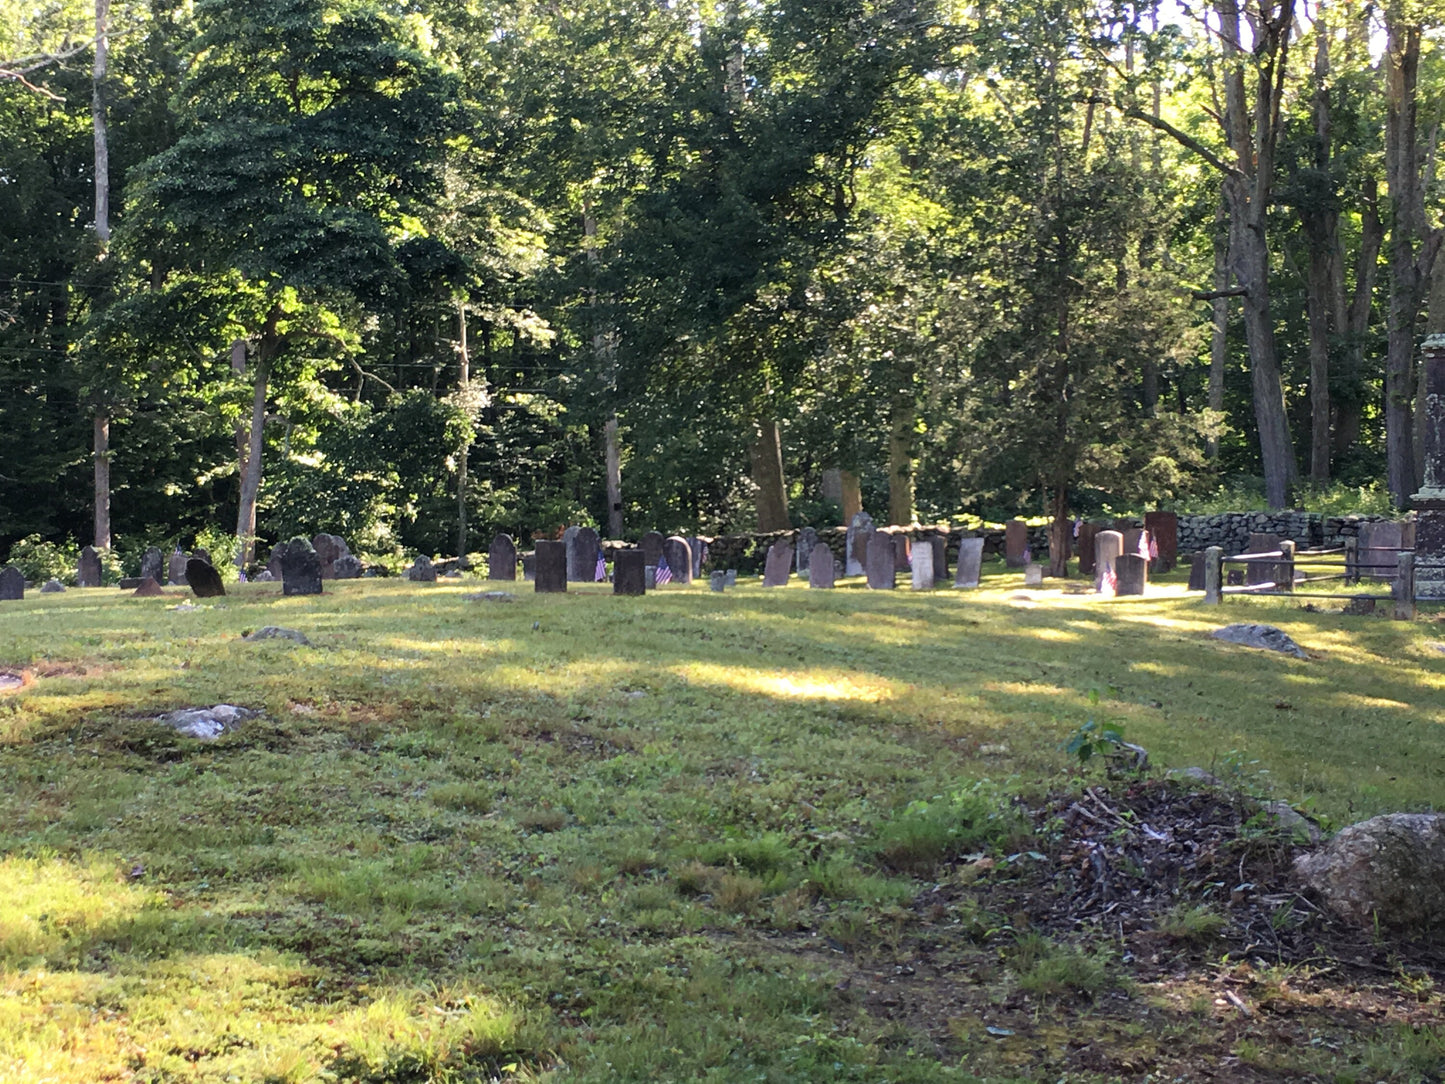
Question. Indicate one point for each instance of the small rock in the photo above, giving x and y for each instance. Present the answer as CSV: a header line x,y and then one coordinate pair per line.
x,y
207,723
52,587
993,750
1197,775
491,596
264,576
1266,637
1286,817
276,632
1387,869
185,608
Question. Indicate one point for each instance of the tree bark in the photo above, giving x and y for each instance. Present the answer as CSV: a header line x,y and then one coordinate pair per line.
x,y
1060,532
1357,322
1324,286
464,380
903,418
102,480
614,478
97,116
772,493
268,348
1219,331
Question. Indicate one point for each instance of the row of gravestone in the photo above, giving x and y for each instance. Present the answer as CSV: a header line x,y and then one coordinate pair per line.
x,y
882,556
582,553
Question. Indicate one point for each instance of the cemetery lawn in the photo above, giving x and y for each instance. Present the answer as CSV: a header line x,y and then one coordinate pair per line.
x,y
771,835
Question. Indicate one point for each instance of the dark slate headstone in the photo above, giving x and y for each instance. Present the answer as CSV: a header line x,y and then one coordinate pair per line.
x,y
807,539
153,565
300,569
970,562
696,545
1015,541
778,569
1087,531
1196,571
12,585
1163,528
855,544
1133,574
718,581
529,567
347,567
205,581
902,552
651,546
87,570
551,568
200,553
1378,552
820,567
629,572
940,559
148,588
1132,538
881,562
422,570
1108,546
502,558
329,548
679,558
582,555
130,583
1257,572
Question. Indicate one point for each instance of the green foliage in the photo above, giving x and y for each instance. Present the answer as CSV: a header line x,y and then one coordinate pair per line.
x,y
1049,970
928,833
40,560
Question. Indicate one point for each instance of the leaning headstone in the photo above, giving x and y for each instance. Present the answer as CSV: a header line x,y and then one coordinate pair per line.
x,y
970,562
1087,531
820,567
922,571
679,559
778,569
551,567
149,588
651,546
582,550
205,581
855,544
1163,528
329,548
1196,571
422,570
153,565
629,572
300,568
52,587
1015,543
1132,572
12,585
940,559
1108,546
502,558
1033,574
347,567
902,553
881,566
176,569
87,570
807,539
718,581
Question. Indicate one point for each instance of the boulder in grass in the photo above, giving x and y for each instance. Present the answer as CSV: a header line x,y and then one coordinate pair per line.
x,y
1265,637
277,632
52,587
207,723
1387,871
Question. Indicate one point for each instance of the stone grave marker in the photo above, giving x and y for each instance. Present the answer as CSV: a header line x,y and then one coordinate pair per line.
x,y
696,545
529,567
502,558
149,588
1108,547
1133,574
778,569
347,567
273,562
12,585
649,577
679,559
855,544
970,562
1033,574
1257,572
52,587
1015,542
1379,549
87,569
153,565
718,581
200,553
939,543
1132,537
628,572
582,555
922,571
1087,531
732,575
1196,571
329,549
807,540
1163,528
820,567
422,570
902,553
881,565
205,581
551,568
300,569
651,546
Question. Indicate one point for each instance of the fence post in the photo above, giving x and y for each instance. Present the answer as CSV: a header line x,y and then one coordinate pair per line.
x,y
1284,570
1404,588
1213,575
1352,560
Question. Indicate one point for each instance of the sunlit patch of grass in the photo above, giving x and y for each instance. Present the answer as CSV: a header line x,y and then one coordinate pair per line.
x,y
51,907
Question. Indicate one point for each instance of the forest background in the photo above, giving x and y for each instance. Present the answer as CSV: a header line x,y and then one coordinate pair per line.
x,y
415,272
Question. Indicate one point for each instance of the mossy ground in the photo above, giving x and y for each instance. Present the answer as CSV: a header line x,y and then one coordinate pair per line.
x,y
592,838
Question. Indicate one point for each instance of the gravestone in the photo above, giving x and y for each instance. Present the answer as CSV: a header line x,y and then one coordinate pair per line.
x,y
149,588
1133,574
807,540
551,568
529,567
651,546
87,570
970,562
881,564
902,553
1108,547
1033,574
732,575
273,562
922,571
939,544
422,570
679,559
347,567
502,558
1196,571
697,546
205,581
855,544
329,548
1087,531
1257,572
1163,528
1378,552
1429,540
52,587
567,536
12,585
1133,538
200,553
300,568
628,572
820,567
153,565
582,550
718,581
1015,542
649,576
778,569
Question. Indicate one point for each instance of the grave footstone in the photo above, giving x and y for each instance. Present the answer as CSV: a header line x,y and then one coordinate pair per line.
x,y
502,558
551,568
1132,571
939,543
12,584
204,580
582,550
902,553
329,548
1108,547
1163,528
778,569
970,562
149,588
422,570
820,567
651,546
1033,574
881,564
922,570
1015,543
855,544
87,570
807,539
629,572
153,564
300,568
1087,531
679,558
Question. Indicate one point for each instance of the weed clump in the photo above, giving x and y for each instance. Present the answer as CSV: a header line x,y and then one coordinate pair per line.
x,y
928,833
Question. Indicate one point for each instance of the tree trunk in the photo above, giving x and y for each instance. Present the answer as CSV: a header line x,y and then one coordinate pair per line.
x,y
1357,324
1060,533
902,422
97,116
266,352
1219,331
102,480
1324,287
464,380
614,479
772,493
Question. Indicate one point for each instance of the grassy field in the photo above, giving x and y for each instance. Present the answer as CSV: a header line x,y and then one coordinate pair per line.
x,y
683,837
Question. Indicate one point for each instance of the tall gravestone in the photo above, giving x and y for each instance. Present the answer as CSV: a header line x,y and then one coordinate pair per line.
x,y
970,562
87,570
551,568
1087,531
205,581
820,567
679,558
12,584
651,546
939,544
582,549
807,539
922,570
300,568
1430,501
1108,547
1260,572
502,558
696,546
881,565
153,564
855,544
778,568
1163,528
1132,571
1015,543
628,568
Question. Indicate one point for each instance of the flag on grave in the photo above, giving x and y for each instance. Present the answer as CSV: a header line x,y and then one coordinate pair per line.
x,y
664,574
1144,545
601,576
1153,548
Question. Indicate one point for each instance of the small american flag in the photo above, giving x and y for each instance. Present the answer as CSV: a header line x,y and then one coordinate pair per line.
x,y
1145,545
1108,582
664,574
601,576
1028,555
1153,548
1078,522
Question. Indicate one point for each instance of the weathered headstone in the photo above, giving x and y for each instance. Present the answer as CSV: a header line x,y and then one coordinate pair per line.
x,y
1015,543
820,567
1163,528
529,567
153,565
422,570
1258,572
732,575
940,559
922,570
273,563
87,570
679,558
697,546
881,565
329,548
1379,549
1213,570
1033,574
205,581
502,558
149,588
778,569
347,567
300,568
582,549
855,544
1085,542
1108,546
807,539
651,546
200,553
649,576
902,553
970,562
718,581
1430,501
52,586
1134,539
628,572
12,584
551,568
1196,571
1133,574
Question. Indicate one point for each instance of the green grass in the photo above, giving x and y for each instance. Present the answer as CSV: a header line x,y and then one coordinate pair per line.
x,y
590,838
